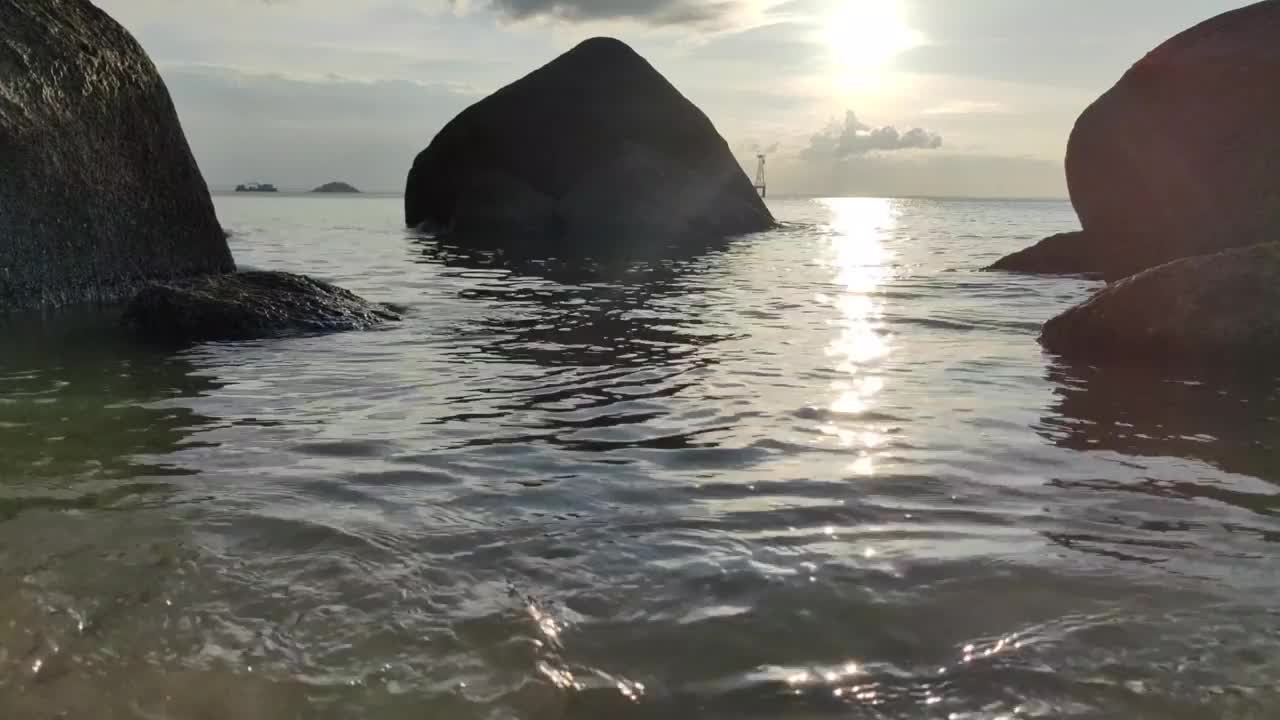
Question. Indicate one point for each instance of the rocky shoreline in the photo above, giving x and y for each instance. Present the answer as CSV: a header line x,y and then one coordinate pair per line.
x,y
147,234
81,95
1173,173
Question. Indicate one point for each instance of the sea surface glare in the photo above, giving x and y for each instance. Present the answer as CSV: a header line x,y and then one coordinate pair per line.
x,y
821,472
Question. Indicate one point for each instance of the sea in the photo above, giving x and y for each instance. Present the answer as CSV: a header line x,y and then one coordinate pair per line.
x,y
820,472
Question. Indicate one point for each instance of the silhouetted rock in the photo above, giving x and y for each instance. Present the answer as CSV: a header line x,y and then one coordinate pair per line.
x,y
1180,157
1209,309
1065,254
99,193
249,305
594,151
336,187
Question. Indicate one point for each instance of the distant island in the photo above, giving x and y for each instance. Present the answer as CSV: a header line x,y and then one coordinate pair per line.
x,y
256,187
336,187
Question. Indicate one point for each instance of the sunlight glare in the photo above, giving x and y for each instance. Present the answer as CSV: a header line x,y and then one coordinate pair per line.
x,y
864,35
861,265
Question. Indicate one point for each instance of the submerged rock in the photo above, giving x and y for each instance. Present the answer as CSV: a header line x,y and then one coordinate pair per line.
x,y
249,305
1064,254
1180,157
595,150
336,187
99,193
1219,309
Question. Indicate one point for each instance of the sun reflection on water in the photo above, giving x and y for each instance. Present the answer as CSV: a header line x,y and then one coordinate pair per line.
x,y
885,685
862,264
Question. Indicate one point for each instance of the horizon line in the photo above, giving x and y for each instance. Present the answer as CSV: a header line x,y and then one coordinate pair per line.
x,y
230,190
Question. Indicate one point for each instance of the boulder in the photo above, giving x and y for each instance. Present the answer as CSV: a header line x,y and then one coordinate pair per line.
x,y
99,193
493,205
1181,156
336,187
1057,254
595,150
248,305
1217,309
654,198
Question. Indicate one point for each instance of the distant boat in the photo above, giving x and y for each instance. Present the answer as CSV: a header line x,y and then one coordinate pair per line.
x,y
256,187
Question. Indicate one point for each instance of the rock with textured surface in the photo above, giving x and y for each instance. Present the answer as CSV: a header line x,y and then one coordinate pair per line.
x,y
1214,309
595,149
99,192
1181,156
249,305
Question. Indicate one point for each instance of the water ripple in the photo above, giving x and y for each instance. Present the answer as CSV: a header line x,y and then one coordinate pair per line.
x,y
818,472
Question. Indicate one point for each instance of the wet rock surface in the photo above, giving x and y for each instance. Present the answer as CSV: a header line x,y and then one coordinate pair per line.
x,y
249,305
1219,309
99,193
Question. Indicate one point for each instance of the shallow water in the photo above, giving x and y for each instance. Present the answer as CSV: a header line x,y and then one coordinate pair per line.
x,y
821,472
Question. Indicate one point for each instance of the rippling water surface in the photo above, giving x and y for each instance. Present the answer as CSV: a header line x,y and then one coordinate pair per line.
x,y
823,472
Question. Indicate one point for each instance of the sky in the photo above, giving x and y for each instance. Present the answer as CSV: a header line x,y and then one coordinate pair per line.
x,y
846,97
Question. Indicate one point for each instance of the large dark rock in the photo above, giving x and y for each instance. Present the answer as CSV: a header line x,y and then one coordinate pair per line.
x,y
248,305
1218,309
1057,254
98,189
1181,156
595,150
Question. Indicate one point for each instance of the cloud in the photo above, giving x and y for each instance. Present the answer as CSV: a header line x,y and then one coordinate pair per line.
x,y
1070,45
933,174
789,48
854,158
298,133
966,107
652,12
855,138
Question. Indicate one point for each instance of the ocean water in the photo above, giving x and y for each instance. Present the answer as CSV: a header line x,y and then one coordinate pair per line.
x,y
822,472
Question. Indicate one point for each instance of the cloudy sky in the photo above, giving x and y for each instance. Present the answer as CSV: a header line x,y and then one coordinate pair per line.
x,y
880,97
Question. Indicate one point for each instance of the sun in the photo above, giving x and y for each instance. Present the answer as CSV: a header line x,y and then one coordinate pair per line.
x,y
863,36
